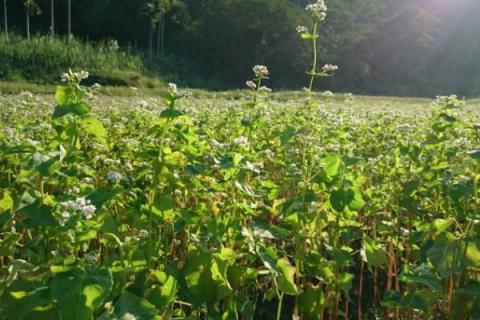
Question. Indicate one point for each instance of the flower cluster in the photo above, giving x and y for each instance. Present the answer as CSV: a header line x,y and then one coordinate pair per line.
x,y
71,208
302,29
318,10
451,101
329,68
113,45
172,88
240,141
264,89
328,94
114,177
251,85
261,71
74,76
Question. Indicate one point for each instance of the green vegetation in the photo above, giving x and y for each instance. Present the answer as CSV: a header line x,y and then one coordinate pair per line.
x,y
43,58
214,206
160,203
402,47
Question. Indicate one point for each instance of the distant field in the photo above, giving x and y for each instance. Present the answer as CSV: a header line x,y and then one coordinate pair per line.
x,y
124,98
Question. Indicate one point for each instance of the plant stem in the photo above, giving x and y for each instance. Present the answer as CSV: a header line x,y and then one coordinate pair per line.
x,y
315,58
279,308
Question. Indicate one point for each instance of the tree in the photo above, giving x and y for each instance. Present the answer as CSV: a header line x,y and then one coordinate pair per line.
x,y
31,9
5,18
52,17
69,18
156,11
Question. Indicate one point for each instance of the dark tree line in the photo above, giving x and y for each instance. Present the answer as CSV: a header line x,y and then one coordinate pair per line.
x,y
381,46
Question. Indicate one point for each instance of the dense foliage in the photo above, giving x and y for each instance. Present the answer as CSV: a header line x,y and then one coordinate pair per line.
x,y
391,47
302,207
236,209
44,58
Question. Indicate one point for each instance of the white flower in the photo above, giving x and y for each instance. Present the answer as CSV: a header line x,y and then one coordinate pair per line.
x,y
81,206
269,153
91,258
142,234
261,71
251,85
65,77
302,29
87,180
449,101
318,10
216,144
329,68
264,89
128,166
75,76
128,316
172,87
328,94
142,103
109,161
81,75
255,167
113,45
241,141
114,176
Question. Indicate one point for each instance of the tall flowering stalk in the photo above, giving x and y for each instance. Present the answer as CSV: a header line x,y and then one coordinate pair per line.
x,y
318,11
261,73
258,90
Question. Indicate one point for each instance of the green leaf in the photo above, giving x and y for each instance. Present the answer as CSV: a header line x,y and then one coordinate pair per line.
x,y
80,292
357,203
8,244
345,281
373,254
102,195
94,127
175,159
137,307
63,95
440,225
472,254
79,109
285,280
421,276
47,164
311,303
6,201
163,296
331,165
446,256
340,199
287,134
6,208
37,215
21,299
171,113
199,278
306,35
269,257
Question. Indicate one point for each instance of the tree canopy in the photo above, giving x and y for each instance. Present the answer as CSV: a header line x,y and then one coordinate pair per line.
x,y
381,46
